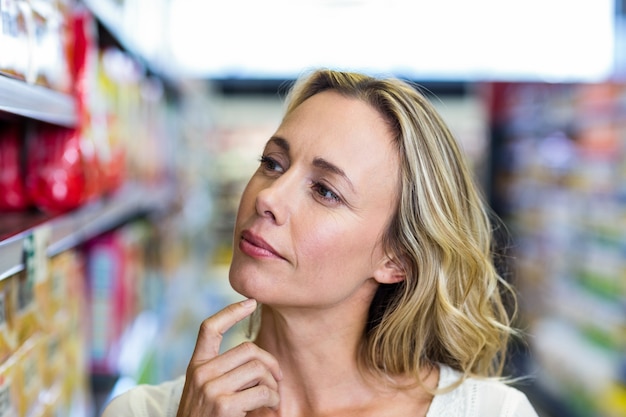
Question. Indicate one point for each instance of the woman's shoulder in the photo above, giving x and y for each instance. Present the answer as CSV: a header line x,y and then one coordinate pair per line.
x,y
478,397
159,400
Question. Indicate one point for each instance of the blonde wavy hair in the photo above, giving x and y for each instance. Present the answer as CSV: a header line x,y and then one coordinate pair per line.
x,y
450,307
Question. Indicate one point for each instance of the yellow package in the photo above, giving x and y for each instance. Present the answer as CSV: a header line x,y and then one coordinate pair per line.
x,y
56,294
613,402
28,372
53,403
8,336
76,363
28,320
32,285
55,359
9,389
67,291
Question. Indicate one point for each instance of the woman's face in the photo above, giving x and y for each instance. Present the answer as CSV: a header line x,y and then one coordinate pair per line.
x,y
311,218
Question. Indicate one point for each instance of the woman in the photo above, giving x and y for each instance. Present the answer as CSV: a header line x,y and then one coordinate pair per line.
x,y
366,246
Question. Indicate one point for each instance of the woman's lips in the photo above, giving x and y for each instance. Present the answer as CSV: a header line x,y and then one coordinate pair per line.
x,y
253,245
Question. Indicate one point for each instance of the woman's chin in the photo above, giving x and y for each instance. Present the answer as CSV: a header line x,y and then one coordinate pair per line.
x,y
244,288
260,285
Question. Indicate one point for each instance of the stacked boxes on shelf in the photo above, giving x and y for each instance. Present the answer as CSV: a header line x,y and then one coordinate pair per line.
x,y
44,367
566,205
63,318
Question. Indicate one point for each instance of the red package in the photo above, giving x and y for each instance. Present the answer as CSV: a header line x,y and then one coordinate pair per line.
x,y
83,36
93,110
61,171
110,296
13,195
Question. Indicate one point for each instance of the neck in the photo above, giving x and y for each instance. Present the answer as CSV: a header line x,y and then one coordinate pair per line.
x,y
306,338
321,376
317,350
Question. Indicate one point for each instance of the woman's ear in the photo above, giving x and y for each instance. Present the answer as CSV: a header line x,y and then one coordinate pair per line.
x,y
390,271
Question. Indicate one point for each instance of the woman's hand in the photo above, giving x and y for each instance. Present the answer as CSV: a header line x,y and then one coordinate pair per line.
x,y
240,380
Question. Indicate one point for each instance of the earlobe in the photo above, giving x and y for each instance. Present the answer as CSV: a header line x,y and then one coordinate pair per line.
x,y
390,272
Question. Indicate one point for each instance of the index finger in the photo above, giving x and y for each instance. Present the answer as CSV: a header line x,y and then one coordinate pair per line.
x,y
212,329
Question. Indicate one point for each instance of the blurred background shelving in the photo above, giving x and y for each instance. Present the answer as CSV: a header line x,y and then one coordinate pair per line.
x,y
155,111
562,196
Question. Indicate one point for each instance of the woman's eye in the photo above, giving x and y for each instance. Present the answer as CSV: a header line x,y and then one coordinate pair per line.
x,y
270,164
326,193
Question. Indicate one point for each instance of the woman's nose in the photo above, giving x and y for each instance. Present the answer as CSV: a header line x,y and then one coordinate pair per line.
x,y
275,198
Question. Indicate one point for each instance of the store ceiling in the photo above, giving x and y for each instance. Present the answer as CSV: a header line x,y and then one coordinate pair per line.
x,y
423,39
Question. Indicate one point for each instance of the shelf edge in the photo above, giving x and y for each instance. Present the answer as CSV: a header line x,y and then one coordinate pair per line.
x,y
11,256
72,229
36,102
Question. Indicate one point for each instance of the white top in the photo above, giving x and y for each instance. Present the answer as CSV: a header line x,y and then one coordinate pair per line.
x,y
473,398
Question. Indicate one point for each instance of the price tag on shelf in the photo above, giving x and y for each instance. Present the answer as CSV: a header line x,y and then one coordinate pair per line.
x,y
31,282
36,254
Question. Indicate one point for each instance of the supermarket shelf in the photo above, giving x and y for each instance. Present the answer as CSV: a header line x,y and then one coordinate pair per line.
x,y
124,22
73,228
110,14
36,102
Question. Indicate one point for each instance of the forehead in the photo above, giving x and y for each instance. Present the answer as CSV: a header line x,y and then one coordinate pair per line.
x,y
346,131
330,115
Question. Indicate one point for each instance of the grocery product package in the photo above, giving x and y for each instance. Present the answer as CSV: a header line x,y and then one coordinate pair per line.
x,y
61,168
10,392
13,195
96,115
110,294
15,37
51,44
8,331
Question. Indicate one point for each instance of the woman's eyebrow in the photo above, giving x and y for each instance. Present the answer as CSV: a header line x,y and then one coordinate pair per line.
x,y
280,142
325,165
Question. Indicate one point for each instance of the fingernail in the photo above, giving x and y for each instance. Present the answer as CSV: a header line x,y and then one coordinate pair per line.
x,y
248,303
